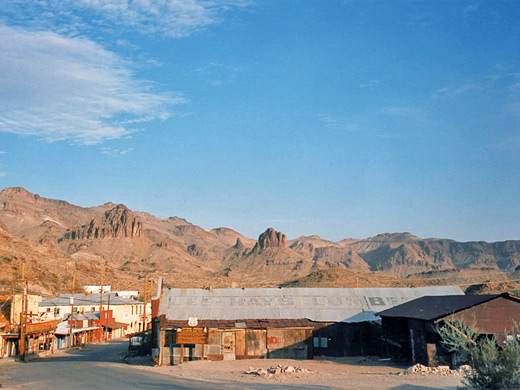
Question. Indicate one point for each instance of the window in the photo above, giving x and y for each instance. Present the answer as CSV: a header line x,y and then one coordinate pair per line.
x,y
320,342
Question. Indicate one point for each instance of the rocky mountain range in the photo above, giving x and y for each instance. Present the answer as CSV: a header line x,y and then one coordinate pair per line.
x,y
63,239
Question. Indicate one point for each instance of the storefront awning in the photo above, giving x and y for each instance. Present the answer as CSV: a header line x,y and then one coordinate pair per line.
x,y
115,325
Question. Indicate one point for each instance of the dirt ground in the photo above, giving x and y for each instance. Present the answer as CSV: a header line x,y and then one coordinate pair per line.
x,y
336,373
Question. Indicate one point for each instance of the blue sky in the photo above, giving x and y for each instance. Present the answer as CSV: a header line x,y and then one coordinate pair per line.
x,y
336,118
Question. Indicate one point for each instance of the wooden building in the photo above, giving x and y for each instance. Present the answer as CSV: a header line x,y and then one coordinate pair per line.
x,y
38,333
297,323
38,338
235,339
409,330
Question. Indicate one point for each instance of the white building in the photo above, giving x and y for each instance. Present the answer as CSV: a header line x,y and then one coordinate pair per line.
x,y
96,289
128,311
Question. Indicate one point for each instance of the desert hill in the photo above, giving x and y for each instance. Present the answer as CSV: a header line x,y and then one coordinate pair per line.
x,y
57,239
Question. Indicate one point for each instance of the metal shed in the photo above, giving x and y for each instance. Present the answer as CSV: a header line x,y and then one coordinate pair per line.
x,y
286,322
409,329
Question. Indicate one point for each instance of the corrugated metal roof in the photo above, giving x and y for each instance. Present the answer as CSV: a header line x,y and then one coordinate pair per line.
x,y
316,304
83,316
432,307
88,300
64,330
240,323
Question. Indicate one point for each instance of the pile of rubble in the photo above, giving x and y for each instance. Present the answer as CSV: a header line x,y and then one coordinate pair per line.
x,y
440,370
279,369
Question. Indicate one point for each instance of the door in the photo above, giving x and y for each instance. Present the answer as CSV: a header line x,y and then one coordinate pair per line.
x,y
228,345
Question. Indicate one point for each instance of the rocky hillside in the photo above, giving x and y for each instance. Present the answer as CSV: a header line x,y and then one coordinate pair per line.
x,y
128,245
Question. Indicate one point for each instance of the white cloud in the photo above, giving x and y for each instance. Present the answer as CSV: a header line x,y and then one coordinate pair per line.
x,y
66,88
116,152
217,74
173,18
503,79
464,89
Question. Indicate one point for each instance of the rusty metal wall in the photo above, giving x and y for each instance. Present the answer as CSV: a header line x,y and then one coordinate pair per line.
x,y
286,344
494,317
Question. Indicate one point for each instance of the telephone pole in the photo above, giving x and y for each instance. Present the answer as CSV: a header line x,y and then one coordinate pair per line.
x,y
101,309
144,307
23,312
72,312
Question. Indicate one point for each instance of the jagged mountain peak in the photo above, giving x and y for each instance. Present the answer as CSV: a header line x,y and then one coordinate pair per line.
x,y
270,239
91,237
119,221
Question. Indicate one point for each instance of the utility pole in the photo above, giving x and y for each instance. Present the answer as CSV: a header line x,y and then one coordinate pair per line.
x,y
72,312
144,307
101,308
23,312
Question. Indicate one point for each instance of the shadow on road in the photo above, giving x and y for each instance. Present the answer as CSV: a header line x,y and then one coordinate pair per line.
x,y
415,387
112,351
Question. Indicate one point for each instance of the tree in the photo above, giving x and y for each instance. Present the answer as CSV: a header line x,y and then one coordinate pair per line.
x,y
495,367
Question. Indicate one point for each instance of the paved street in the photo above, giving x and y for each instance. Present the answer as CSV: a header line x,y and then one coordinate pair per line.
x,y
100,367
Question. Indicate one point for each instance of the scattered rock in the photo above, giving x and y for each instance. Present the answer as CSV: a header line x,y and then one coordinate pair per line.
x,y
440,370
289,369
275,370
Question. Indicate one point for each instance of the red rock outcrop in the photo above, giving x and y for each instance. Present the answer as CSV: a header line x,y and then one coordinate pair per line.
x,y
270,239
114,223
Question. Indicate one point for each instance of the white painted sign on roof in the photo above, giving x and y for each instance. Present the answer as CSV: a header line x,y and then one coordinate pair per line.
x,y
316,304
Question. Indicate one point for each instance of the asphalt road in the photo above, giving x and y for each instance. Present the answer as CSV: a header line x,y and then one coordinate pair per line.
x,y
101,367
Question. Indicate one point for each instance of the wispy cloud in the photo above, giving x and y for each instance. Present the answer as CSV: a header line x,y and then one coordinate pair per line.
x,y
217,74
369,84
173,18
115,152
503,78
69,88
463,89
385,122
341,124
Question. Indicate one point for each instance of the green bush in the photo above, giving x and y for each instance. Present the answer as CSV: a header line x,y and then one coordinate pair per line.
x,y
495,367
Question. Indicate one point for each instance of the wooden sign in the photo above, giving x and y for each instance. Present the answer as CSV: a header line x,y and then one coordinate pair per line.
x,y
192,336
